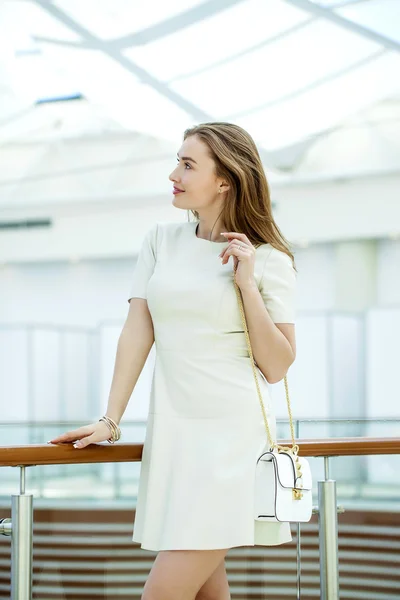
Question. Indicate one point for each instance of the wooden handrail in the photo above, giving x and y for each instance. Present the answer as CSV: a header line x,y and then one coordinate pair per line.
x,y
63,454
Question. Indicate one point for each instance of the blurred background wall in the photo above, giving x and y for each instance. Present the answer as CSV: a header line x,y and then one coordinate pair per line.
x,y
94,98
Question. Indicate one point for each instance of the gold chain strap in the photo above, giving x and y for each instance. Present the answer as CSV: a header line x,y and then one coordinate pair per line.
x,y
294,449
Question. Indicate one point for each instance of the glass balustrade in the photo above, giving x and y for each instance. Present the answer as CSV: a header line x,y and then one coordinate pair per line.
x,y
83,518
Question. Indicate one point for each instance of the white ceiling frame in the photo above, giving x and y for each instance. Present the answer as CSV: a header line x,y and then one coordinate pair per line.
x,y
139,38
116,55
266,42
92,41
346,3
174,23
112,49
331,15
308,87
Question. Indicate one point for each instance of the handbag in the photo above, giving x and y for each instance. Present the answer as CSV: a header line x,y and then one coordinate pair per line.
x,y
283,482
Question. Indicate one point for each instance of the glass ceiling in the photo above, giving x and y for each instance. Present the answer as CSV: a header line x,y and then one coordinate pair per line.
x,y
287,70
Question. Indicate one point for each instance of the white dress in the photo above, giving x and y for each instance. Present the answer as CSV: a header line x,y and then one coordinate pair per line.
x,y
205,429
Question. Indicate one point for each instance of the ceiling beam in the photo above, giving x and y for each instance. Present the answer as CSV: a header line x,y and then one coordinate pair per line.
x,y
150,34
334,17
175,23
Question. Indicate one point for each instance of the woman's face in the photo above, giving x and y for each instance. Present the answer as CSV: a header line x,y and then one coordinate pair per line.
x,y
196,185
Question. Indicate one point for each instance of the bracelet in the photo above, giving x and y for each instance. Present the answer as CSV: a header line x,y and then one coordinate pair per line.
x,y
114,429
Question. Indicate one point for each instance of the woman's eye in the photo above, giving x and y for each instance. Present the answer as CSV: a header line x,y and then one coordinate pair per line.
x,y
187,165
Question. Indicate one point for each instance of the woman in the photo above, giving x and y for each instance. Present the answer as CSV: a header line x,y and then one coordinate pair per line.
x,y
205,429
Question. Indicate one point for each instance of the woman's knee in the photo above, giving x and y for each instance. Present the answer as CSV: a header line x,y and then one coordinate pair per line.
x,y
216,587
181,574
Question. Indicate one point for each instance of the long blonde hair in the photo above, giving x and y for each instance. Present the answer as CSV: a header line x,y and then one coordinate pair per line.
x,y
248,207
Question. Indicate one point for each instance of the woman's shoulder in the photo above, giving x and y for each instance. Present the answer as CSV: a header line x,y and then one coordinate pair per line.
x,y
272,253
165,232
172,231
163,228
274,260
172,227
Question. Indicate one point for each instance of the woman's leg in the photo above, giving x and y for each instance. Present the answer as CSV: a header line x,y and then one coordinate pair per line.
x,y
180,574
216,587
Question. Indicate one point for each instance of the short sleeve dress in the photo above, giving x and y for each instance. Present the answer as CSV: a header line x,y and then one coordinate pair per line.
x,y
205,429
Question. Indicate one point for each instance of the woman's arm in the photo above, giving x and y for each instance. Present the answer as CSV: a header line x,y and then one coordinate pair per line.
x,y
134,345
273,344
266,309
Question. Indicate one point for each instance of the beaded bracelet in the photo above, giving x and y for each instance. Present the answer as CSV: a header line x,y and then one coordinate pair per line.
x,y
114,429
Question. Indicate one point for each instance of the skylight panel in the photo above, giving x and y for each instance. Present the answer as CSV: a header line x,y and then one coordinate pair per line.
x,y
107,84
275,71
21,21
217,38
90,70
110,19
325,106
35,78
381,16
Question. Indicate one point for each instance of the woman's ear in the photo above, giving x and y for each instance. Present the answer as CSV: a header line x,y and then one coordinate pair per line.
x,y
223,187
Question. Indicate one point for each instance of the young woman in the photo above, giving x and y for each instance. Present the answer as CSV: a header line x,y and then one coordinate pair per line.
x,y
205,429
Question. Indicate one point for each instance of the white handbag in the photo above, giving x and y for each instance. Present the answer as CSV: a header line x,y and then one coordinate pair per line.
x,y
283,482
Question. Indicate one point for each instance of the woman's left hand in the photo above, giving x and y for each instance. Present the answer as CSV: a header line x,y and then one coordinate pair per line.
x,y
244,254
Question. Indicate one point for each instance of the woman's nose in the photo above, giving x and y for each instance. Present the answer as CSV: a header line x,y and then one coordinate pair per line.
x,y
173,176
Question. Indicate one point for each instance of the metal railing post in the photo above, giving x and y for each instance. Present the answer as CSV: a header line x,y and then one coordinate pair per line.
x,y
328,537
298,540
21,542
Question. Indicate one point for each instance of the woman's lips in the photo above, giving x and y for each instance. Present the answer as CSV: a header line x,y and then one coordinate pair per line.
x,y
176,191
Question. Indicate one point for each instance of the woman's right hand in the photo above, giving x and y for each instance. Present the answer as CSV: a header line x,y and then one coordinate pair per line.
x,y
88,434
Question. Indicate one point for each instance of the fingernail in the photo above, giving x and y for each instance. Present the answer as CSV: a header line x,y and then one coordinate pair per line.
x,y
75,445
